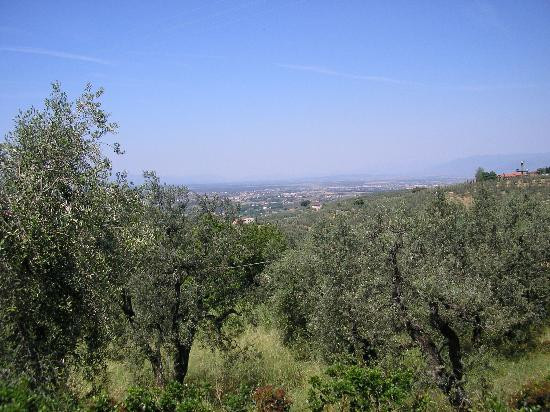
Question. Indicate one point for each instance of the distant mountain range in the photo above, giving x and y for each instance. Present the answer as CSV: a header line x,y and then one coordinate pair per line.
x,y
463,168
466,167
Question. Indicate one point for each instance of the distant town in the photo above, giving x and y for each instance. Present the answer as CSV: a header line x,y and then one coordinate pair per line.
x,y
261,199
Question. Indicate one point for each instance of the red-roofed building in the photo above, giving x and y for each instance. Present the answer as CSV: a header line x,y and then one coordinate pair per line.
x,y
512,174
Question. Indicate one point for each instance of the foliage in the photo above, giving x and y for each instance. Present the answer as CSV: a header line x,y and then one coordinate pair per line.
x,y
21,397
181,397
356,388
456,281
172,395
197,270
57,227
271,399
140,399
175,397
258,359
239,401
482,175
534,396
101,403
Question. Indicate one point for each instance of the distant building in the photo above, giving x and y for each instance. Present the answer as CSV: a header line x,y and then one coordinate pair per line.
x,y
512,175
316,207
245,220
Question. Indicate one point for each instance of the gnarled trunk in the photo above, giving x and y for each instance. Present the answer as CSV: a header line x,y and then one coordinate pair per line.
x,y
152,353
155,359
453,388
450,382
181,361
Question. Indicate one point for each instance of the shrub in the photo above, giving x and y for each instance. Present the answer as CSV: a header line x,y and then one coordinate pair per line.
x,y
239,401
102,403
172,395
19,397
358,388
175,397
191,405
16,398
534,396
482,175
494,404
178,397
271,399
140,400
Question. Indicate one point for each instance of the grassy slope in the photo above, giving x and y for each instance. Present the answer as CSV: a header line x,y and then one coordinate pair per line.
x,y
261,359
510,375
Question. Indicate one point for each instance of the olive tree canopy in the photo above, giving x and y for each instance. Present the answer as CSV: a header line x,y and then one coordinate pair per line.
x,y
57,226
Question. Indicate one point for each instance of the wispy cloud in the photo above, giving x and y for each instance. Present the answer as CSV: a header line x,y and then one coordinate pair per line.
x,y
501,86
329,72
54,53
176,55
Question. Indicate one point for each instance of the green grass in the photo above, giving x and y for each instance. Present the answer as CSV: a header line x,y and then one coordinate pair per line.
x,y
260,359
511,374
503,377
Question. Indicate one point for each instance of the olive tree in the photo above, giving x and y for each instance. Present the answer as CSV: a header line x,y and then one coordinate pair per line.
x,y
195,269
451,279
57,227
466,280
317,287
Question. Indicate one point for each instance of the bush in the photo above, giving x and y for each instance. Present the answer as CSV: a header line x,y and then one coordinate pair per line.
x,y
483,176
358,388
534,396
494,404
181,398
175,397
140,400
173,394
19,397
239,401
271,399
191,405
16,398
102,403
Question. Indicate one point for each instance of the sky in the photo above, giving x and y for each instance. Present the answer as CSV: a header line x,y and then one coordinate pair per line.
x,y
270,89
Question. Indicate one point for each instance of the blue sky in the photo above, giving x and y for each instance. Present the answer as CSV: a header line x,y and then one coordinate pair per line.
x,y
254,89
